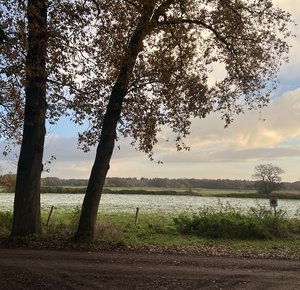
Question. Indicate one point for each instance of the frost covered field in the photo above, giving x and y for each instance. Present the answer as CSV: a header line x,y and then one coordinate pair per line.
x,y
151,203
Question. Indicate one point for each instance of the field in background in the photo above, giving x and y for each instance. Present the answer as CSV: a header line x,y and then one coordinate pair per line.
x,y
241,193
175,191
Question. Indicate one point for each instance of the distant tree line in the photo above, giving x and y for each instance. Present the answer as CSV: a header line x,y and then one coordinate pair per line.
x,y
155,182
180,183
8,181
187,183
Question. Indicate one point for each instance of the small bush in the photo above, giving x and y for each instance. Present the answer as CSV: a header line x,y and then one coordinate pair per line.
x,y
262,212
5,222
158,225
65,226
109,231
59,230
230,223
74,217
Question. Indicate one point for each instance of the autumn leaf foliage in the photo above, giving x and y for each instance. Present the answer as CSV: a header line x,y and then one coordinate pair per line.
x,y
12,71
172,78
13,68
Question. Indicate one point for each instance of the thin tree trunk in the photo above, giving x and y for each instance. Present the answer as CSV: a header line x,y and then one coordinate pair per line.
x,y
87,222
27,216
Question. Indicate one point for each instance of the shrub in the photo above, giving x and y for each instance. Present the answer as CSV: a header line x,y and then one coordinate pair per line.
x,y
261,212
230,223
74,217
59,230
64,227
108,231
5,222
8,181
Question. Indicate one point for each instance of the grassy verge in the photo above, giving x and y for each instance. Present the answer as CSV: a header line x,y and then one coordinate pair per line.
x,y
257,233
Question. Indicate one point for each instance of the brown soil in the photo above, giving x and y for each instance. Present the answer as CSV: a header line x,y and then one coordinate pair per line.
x,y
52,269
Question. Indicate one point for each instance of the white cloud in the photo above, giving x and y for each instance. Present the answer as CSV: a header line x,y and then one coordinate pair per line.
x,y
278,122
292,69
215,152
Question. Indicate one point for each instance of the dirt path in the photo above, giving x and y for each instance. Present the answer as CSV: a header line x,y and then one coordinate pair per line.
x,y
43,269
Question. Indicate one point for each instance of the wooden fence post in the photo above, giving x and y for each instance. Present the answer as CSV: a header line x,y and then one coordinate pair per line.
x,y
50,213
136,216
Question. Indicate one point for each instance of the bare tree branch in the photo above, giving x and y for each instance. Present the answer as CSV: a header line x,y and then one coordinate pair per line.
x,y
198,22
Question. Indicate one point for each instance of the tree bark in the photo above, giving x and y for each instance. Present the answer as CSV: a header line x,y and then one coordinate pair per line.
x,y
27,216
87,222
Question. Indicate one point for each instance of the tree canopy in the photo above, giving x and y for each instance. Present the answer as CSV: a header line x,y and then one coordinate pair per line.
x,y
172,76
172,81
13,51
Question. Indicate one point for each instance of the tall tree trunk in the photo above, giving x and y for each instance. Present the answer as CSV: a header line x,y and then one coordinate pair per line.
x,y
87,222
85,231
27,216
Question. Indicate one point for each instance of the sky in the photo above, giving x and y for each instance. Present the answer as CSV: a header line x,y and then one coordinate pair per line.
x,y
269,136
